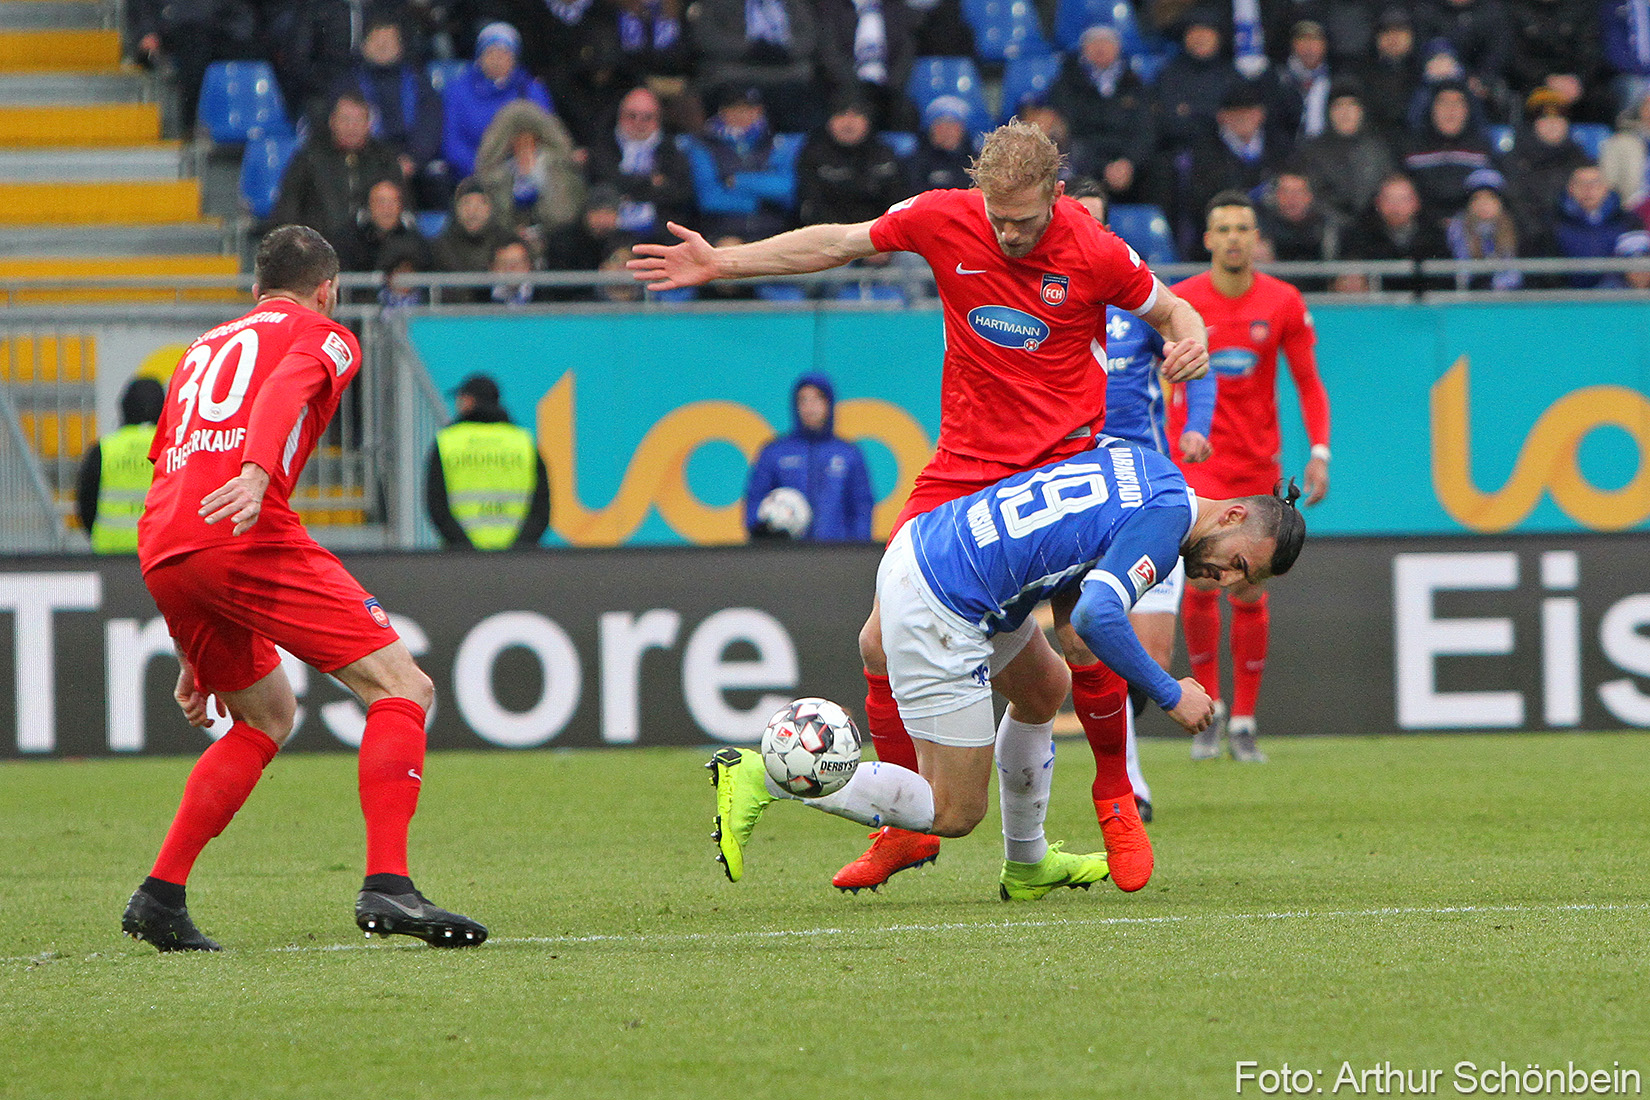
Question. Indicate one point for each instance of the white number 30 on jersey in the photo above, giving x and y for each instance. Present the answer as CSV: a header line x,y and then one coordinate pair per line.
x,y
197,392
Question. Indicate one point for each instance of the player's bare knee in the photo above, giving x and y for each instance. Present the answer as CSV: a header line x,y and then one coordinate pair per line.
x,y
415,684
953,820
870,647
1073,648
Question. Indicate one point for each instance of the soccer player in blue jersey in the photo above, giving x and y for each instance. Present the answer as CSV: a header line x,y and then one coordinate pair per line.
x,y
957,587
1136,411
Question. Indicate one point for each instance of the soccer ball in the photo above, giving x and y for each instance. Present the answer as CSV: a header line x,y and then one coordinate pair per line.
x,y
786,511
811,748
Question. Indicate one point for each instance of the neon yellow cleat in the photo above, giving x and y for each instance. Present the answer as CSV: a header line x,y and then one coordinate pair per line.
x,y
741,796
1030,881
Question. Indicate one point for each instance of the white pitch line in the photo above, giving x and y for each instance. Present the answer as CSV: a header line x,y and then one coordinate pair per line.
x,y
650,938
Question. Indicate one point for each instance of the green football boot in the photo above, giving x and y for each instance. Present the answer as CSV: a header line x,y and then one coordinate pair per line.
x,y
741,796
1030,881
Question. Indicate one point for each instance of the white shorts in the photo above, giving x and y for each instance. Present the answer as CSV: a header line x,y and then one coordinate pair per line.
x,y
938,664
1163,598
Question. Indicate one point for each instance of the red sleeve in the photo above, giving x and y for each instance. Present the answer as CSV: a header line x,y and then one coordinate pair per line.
x,y
903,227
295,381
1121,276
1299,347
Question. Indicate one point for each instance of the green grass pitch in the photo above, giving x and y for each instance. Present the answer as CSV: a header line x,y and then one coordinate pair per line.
x,y
1420,901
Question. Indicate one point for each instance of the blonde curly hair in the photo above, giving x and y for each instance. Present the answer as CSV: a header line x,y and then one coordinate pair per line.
x,y
1016,156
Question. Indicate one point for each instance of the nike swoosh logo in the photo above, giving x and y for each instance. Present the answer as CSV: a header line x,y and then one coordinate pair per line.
x,y
415,775
961,270
418,912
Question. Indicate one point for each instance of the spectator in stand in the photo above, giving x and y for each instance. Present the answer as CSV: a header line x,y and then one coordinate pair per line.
x,y
1448,148
1349,24
770,45
473,232
513,258
1480,36
326,182
1394,229
829,471
1590,223
1348,161
846,173
526,163
943,156
938,29
1299,227
1108,110
384,222
865,51
478,91
1299,105
587,243
1391,77
115,472
1539,166
309,47
406,112
652,40
639,163
1624,26
192,34
1556,44
1484,230
1191,86
1052,123
485,485
1635,245
746,185
399,259
572,46
1623,157
1239,156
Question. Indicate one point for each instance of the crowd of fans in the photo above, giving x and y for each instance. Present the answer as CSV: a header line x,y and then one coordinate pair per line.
x,y
1363,129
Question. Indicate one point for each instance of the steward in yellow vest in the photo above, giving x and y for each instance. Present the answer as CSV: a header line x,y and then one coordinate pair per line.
x,y
486,486
116,471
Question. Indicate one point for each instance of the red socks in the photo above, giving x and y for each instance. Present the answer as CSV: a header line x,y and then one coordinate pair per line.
x,y
1200,622
391,769
1102,700
218,786
888,734
1251,626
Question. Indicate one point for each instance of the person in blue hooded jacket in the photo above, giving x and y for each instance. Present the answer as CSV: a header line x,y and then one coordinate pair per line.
x,y
829,471
480,90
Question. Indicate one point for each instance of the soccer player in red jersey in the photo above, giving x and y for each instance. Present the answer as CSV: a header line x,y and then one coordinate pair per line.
x,y
235,574
1251,316
1024,277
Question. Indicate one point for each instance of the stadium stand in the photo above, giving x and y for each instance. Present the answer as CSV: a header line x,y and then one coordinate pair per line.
x,y
932,77
1027,76
1005,30
241,102
262,166
1590,136
1146,229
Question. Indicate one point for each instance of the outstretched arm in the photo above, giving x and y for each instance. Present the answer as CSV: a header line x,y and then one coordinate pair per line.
x,y
694,261
1186,340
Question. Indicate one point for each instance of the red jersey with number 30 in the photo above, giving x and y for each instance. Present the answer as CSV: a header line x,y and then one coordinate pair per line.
x,y
1025,339
259,389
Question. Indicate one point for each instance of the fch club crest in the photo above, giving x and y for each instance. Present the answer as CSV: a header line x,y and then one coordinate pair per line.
x,y
1054,289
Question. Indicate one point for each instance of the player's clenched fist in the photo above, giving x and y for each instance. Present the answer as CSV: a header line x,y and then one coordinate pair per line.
x,y
1195,709
191,698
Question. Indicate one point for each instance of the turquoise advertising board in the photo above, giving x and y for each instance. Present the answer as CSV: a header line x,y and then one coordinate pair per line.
x,y
1448,419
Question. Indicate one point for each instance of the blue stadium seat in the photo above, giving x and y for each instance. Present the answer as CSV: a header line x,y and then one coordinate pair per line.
x,y
1146,230
1005,30
780,292
870,292
1590,136
932,77
1027,76
431,222
676,294
902,142
442,70
262,166
240,101
1073,17
1501,139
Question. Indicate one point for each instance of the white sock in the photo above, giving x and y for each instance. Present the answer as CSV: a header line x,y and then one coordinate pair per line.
x,y
1025,771
879,794
1131,757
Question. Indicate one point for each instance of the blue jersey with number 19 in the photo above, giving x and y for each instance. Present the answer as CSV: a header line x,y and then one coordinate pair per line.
x,y
1116,513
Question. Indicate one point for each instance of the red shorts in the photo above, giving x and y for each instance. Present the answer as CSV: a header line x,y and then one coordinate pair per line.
x,y
229,606
1215,483
949,476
